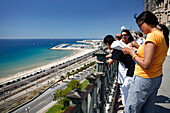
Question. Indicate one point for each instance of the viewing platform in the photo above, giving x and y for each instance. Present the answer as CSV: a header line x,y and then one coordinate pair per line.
x,y
101,94
163,96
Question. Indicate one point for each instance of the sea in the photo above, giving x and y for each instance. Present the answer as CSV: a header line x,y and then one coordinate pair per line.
x,y
17,55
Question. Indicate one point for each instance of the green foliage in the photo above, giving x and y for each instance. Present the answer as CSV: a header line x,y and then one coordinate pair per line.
x,y
85,65
74,84
68,74
66,102
62,77
95,66
58,94
84,84
66,91
56,109
82,68
77,70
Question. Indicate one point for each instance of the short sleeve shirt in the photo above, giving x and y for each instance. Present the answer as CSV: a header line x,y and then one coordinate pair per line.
x,y
155,70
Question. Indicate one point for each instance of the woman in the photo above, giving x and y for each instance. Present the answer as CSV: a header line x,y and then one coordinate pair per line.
x,y
140,39
126,80
129,40
148,70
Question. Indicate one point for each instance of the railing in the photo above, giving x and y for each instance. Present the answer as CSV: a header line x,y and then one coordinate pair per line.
x,y
95,96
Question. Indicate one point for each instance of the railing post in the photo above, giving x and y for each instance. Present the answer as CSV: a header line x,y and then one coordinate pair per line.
x,y
92,104
93,93
101,66
75,98
101,61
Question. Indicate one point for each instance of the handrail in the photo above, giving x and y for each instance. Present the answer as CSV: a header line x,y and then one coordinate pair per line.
x,y
96,95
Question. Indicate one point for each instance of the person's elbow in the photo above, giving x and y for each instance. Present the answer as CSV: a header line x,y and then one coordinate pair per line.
x,y
147,67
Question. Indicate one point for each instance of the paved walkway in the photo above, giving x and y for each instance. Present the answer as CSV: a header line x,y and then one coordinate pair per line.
x,y
163,96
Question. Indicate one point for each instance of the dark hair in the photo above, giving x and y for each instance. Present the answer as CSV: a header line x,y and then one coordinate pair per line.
x,y
130,39
140,34
149,18
108,39
119,37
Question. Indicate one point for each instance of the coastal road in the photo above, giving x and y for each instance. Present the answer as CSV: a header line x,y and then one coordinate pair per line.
x,y
36,105
53,76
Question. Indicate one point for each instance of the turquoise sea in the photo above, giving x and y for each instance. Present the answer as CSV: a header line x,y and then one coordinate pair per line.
x,y
17,55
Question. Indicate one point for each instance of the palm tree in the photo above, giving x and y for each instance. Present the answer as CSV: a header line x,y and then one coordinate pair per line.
x,y
73,72
68,74
62,78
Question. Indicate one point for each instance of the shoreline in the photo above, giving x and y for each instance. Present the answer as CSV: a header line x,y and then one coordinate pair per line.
x,y
76,53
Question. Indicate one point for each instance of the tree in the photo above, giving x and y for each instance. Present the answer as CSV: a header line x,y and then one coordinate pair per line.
x,y
85,66
95,66
72,71
82,68
58,94
62,78
66,102
74,84
77,70
68,74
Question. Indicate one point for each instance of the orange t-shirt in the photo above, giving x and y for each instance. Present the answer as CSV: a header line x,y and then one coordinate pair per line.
x,y
155,70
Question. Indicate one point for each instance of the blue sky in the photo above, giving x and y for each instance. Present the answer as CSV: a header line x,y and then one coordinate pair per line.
x,y
66,18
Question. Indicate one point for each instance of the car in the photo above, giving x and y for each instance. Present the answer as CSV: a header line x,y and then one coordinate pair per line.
x,y
13,81
18,79
30,75
1,86
8,83
23,78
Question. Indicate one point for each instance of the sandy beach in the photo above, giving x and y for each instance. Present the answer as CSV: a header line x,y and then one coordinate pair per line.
x,y
77,53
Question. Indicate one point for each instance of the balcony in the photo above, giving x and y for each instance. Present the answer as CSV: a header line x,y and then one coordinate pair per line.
x,y
95,98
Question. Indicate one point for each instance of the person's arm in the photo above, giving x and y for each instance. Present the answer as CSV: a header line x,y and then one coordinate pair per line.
x,y
149,53
116,54
109,55
110,61
134,44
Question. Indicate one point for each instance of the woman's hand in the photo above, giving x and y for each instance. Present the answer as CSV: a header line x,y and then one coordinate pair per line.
x,y
126,50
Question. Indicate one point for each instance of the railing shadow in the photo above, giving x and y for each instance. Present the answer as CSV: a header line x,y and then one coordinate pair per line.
x,y
162,99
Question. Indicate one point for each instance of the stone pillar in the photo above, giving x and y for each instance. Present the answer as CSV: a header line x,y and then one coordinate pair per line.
x,y
101,61
101,66
75,98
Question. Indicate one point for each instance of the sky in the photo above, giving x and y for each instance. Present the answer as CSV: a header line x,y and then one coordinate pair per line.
x,y
64,19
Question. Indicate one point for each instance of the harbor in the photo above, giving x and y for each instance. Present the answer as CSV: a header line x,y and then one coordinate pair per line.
x,y
89,44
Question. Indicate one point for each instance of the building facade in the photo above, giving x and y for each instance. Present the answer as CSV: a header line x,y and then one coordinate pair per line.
x,y
161,8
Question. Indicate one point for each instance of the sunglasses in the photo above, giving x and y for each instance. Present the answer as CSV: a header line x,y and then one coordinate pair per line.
x,y
124,35
140,24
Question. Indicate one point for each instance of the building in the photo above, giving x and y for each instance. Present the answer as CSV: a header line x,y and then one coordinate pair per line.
x,y
161,8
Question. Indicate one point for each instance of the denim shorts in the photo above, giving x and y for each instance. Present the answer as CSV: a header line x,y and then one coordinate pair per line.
x,y
142,95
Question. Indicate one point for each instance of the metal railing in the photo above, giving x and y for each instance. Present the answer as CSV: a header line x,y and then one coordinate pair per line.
x,y
95,96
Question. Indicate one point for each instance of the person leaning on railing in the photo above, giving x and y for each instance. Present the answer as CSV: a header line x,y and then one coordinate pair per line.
x,y
148,70
125,60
